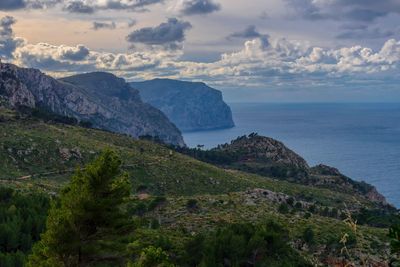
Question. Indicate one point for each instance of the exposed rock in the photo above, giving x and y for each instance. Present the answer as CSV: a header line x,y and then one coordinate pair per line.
x,y
191,106
101,98
326,176
374,195
264,149
264,156
322,169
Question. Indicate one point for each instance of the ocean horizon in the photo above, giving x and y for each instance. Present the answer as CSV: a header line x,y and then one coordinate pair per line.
x,y
362,140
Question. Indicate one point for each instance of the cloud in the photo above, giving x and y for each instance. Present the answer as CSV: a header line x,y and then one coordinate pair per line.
x,y
78,53
79,7
91,6
129,4
8,42
12,4
170,33
132,23
348,10
366,33
250,32
197,7
103,25
283,63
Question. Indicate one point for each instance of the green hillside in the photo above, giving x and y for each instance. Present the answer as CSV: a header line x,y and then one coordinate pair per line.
x,y
178,196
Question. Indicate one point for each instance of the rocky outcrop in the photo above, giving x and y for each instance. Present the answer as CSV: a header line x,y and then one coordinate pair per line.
x,y
264,156
264,149
192,106
115,106
269,157
329,177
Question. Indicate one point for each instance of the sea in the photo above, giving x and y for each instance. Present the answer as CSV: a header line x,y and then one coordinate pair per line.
x,y
361,140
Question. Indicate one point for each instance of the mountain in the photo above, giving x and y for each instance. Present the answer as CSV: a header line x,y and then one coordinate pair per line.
x,y
115,106
192,106
37,156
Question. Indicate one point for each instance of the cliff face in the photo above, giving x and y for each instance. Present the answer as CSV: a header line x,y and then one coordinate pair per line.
x,y
115,106
191,106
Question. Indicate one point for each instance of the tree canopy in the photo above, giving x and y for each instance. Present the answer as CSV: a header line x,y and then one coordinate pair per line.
x,y
87,209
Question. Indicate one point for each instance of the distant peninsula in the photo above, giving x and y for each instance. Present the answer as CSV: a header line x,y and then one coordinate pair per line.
x,y
191,106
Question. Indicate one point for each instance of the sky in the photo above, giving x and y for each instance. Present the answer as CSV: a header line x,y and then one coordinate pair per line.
x,y
253,50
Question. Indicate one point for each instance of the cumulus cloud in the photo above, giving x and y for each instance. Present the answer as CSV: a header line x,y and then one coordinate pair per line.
x,y
282,62
79,7
104,25
250,32
170,33
78,53
8,42
197,7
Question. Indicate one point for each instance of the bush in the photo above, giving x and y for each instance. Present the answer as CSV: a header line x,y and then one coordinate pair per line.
x,y
308,236
191,204
283,208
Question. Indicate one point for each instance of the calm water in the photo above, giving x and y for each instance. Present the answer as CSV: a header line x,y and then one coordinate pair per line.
x,y
361,140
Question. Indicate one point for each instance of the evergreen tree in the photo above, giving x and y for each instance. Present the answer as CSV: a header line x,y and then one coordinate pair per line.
x,y
87,209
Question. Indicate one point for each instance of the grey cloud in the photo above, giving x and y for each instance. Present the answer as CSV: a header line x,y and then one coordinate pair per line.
x,y
250,32
169,33
350,10
137,5
79,7
12,4
354,27
132,23
365,14
198,7
42,4
8,42
264,15
375,33
104,25
76,54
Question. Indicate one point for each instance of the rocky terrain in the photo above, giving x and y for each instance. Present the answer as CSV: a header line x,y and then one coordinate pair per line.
x,y
115,106
192,106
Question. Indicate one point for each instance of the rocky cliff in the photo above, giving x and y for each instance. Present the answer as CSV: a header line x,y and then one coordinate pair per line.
x,y
192,106
114,106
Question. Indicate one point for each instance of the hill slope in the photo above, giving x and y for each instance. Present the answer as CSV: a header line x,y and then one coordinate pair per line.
x,y
190,105
39,156
122,111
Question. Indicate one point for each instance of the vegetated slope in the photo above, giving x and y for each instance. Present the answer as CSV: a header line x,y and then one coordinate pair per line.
x,y
115,107
198,196
30,147
190,105
271,158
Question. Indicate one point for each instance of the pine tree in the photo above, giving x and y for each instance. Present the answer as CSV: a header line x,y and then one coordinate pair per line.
x,y
87,209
